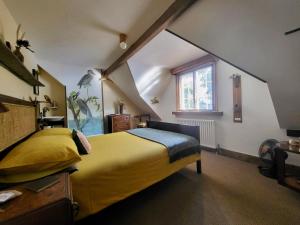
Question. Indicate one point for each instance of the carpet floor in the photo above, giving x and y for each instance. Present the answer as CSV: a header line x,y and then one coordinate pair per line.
x,y
228,191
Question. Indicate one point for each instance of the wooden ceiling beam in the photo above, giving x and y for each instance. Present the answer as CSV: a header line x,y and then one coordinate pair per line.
x,y
193,64
169,16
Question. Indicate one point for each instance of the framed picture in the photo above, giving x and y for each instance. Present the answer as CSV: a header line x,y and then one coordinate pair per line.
x,y
36,89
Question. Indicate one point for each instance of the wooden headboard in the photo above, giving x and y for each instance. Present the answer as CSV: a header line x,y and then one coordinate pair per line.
x,y
18,122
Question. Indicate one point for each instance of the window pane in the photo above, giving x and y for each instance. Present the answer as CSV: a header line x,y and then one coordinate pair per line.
x,y
186,91
204,89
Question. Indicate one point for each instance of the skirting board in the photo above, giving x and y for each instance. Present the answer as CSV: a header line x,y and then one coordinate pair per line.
x,y
290,169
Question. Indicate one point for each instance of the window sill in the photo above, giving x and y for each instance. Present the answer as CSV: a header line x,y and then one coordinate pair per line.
x,y
197,113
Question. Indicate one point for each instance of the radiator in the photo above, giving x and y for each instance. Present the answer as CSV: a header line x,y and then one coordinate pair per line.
x,y
207,131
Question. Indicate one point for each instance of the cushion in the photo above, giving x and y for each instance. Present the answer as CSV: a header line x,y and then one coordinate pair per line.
x,y
40,154
6,181
82,143
23,177
53,131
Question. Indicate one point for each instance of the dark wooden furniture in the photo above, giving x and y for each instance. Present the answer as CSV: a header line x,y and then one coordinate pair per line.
x,y
118,122
280,157
48,207
14,65
179,128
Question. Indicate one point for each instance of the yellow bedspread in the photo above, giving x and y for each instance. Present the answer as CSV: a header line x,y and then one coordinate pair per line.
x,y
120,165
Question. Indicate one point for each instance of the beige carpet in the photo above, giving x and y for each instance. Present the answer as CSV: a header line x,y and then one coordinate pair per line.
x,y
229,191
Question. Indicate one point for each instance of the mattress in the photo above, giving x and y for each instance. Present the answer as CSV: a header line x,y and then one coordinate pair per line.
x,y
120,165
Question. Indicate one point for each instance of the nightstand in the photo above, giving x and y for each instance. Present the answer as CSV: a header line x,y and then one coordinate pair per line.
x,y
48,207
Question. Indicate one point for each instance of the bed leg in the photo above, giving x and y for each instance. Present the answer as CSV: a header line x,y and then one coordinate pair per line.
x,y
198,166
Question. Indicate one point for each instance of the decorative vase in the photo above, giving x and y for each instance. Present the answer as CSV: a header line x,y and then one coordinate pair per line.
x,y
18,54
121,108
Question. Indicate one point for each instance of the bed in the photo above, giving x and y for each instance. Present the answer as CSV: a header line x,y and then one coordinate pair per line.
x,y
119,165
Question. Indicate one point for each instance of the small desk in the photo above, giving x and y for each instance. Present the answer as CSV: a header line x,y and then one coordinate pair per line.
x,y
280,157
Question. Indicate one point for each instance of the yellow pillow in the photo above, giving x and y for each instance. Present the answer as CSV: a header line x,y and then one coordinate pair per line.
x,y
40,154
53,131
23,177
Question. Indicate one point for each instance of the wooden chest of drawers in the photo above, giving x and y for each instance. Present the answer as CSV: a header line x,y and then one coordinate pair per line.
x,y
118,122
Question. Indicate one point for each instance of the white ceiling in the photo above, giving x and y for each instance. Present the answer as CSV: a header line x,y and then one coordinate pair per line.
x,y
83,33
250,35
150,66
167,51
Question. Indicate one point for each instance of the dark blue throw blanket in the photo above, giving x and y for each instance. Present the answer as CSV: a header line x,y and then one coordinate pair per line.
x,y
178,145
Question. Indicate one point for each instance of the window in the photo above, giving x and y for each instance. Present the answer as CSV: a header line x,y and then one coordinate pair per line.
x,y
196,88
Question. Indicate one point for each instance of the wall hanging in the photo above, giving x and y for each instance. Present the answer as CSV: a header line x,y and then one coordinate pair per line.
x,y
36,89
237,99
85,104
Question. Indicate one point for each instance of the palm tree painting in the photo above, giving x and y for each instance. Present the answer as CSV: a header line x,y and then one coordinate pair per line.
x,y
86,108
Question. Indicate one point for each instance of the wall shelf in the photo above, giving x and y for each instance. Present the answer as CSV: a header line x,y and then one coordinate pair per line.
x,y
13,64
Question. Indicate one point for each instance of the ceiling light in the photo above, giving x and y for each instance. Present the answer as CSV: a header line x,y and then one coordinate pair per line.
x,y
123,39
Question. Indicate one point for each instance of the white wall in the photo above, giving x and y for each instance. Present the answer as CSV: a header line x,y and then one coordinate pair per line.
x,y
150,64
69,76
259,117
250,35
9,83
123,78
13,86
54,89
111,95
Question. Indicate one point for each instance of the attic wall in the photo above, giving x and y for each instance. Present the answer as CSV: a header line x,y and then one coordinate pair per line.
x,y
250,35
123,78
10,84
8,81
150,65
71,74
150,81
259,118
54,89
112,94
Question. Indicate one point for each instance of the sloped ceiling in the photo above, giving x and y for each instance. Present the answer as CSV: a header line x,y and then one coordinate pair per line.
x,y
123,79
151,65
250,35
83,33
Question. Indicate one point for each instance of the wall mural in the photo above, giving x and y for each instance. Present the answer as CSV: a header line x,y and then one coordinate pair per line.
x,y
85,104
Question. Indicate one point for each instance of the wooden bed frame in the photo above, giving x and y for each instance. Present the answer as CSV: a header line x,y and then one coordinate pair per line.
x,y
179,128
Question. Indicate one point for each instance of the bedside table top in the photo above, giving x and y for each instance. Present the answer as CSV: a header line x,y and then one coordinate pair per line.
x,y
30,201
